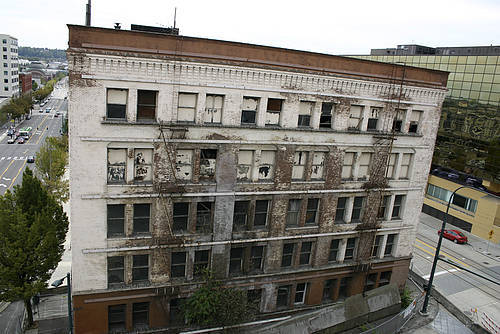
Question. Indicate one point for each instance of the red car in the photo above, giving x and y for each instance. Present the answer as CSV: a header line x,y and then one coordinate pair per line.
x,y
455,236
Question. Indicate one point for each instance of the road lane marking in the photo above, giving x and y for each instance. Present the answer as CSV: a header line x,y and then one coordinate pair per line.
x,y
443,253
12,161
441,273
20,169
39,125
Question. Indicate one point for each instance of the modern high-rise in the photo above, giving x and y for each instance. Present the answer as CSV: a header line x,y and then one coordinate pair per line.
x,y
9,70
295,176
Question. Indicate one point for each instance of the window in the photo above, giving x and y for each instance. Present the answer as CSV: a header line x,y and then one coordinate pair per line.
x,y
142,213
334,250
180,217
4,41
328,289
405,166
260,217
376,245
236,260
371,281
357,209
311,212
318,161
350,248
140,315
396,209
391,165
178,264
187,107
415,118
287,257
116,220
325,120
5,65
213,108
201,262
249,110
116,270
116,105
383,207
266,165
305,253
253,298
246,259
355,117
208,160
397,123
293,214
5,80
299,165
140,268
389,245
344,287
175,313
204,217
347,165
5,72
283,296
373,119
245,163
4,56
184,169
305,112
256,257
116,165
340,212
464,202
273,112
364,165
385,278
143,165
240,214
300,293
146,104
4,48
116,318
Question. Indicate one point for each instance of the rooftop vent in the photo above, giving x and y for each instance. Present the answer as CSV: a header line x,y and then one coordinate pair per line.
x,y
118,26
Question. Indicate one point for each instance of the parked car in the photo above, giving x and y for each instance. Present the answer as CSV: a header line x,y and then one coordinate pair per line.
x,y
41,110
21,140
30,159
455,236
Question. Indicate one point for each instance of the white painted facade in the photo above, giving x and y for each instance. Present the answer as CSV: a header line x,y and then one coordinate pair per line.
x,y
9,70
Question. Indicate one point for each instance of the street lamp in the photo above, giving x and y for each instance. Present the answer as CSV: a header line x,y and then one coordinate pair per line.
x,y
57,283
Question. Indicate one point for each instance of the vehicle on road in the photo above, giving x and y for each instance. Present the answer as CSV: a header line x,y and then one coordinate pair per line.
x,y
11,141
47,110
25,132
30,159
41,110
455,236
21,140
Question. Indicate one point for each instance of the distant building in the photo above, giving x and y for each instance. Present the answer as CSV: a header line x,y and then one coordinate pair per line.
x,y
25,80
9,70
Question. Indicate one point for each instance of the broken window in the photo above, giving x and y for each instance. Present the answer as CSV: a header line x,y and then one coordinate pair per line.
x,y
340,212
334,250
117,318
266,165
357,209
208,158
371,280
415,117
180,217
245,163
397,123
385,278
213,108
204,217
183,168
142,213
116,104
376,245
143,165
305,112
249,110
240,214
201,262
140,268
293,214
405,166
373,119
236,260
140,316
146,104
117,158
256,258
299,165
116,220
312,210
318,161
260,217
389,245
325,120
355,117
383,207
186,109
350,249
391,165
116,270
328,290
287,256
344,287
305,253
273,112
347,165
364,165
178,264
300,293
283,296
397,207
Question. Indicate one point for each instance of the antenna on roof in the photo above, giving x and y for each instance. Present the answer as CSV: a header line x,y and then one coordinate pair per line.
x,y
87,16
175,16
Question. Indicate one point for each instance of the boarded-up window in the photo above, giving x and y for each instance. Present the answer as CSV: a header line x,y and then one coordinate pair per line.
x,y
347,165
355,117
397,123
117,165
391,165
299,165
146,104
187,107
143,170
184,166
305,112
116,105
364,165
266,165
318,161
249,110
415,118
405,166
273,111
245,162
373,119
208,158
325,120
213,109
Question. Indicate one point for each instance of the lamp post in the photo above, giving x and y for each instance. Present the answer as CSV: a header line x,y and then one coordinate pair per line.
x,y
70,311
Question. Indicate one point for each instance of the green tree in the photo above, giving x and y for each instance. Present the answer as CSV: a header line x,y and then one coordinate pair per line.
x,y
50,163
215,305
34,86
33,228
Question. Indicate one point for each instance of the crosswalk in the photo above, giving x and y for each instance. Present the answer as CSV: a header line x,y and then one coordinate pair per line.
x,y
13,158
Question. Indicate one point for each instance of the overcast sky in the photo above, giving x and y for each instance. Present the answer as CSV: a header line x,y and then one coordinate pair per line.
x,y
334,27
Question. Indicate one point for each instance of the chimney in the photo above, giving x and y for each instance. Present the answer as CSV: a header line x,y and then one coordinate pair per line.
x,y
87,16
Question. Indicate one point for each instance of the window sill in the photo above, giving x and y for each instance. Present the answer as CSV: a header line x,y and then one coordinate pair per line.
x,y
132,237
305,227
116,121
150,184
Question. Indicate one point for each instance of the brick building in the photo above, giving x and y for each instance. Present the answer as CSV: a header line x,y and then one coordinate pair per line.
x,y
294,175
25,83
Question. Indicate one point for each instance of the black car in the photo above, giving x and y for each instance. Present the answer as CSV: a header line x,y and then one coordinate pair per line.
x,y
30,159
